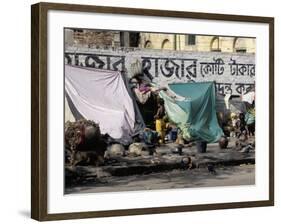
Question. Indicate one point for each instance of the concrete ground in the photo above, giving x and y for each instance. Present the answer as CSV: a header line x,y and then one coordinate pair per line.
x,y
165,170
201,177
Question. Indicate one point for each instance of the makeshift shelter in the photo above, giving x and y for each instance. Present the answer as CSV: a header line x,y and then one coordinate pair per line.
x,y
195,113
102,96
229,104
249,100
105,97
249,97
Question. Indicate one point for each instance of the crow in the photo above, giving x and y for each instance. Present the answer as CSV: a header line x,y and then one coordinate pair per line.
x,y
211,169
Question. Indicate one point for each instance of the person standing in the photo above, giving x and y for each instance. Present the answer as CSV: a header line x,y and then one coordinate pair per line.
x,y
159,121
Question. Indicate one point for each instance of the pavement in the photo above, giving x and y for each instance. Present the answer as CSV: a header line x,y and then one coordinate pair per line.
x,y
174,179
165,160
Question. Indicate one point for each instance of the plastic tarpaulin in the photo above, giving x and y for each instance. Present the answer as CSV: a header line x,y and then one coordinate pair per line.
x,y
195,115
249,97
101,96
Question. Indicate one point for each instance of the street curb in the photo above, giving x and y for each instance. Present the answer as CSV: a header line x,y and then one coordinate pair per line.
x,y
95,173
153,168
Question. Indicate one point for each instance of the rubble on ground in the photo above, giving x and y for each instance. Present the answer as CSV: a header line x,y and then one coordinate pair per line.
x,y
136,149
114,150
84,144
223,142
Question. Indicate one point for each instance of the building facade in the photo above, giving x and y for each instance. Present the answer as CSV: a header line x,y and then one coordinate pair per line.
x,y
100,38
197,43
159,41
167,58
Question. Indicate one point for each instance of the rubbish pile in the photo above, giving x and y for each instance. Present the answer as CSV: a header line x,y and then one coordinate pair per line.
x,y
238,127
243,144
84,144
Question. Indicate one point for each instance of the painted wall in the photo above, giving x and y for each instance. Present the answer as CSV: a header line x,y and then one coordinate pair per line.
x,y
234,73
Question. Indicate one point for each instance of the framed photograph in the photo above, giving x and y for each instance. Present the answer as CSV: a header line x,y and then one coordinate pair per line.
x,y
140,111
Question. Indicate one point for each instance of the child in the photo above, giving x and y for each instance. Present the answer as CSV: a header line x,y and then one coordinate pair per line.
x,y
159,121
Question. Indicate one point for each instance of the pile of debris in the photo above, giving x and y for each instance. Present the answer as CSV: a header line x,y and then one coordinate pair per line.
x,y
84,143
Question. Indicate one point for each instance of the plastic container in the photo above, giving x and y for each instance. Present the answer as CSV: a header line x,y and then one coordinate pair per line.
x,y
174,134
201,146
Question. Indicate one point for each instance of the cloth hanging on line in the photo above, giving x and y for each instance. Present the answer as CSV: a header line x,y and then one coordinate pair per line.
x,y
196,114
101,96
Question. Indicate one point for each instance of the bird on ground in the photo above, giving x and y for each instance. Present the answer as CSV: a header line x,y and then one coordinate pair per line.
x,y
211,169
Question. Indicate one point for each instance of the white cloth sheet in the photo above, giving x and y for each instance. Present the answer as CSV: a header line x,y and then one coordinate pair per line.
x,y
249,97
101,96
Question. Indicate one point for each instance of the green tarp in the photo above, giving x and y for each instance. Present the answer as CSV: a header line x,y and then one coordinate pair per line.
x,y
195,115
250,116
